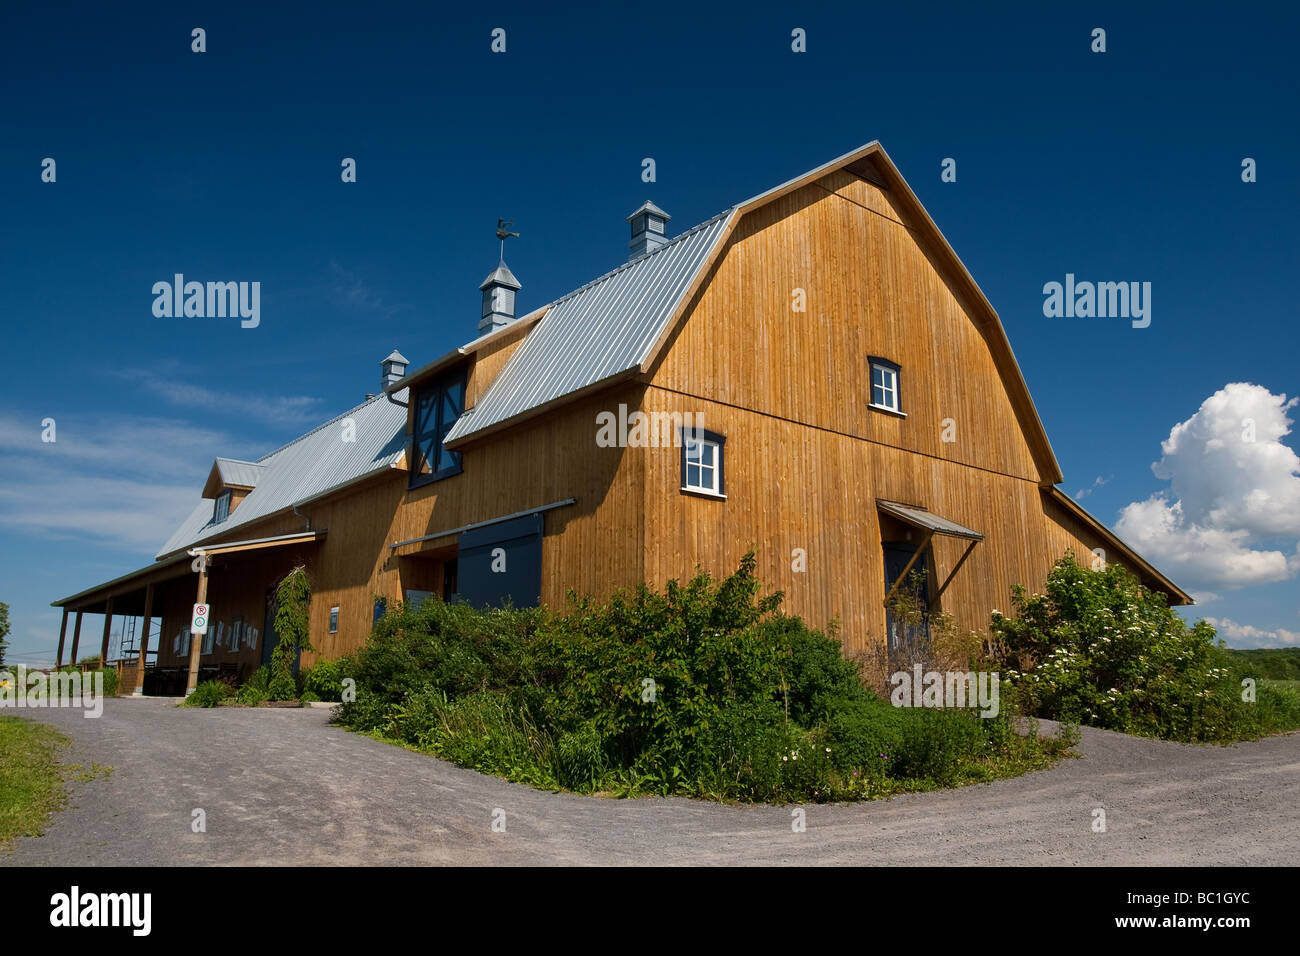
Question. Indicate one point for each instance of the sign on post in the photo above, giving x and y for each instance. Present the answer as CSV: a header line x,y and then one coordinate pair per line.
x,y
199,623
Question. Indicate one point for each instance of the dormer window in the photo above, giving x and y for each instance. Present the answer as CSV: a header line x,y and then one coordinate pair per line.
x,y
436,406
221,507
229,482
885,385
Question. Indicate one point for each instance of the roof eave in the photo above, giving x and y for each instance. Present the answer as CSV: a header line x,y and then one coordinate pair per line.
x,y
197,543
1119,544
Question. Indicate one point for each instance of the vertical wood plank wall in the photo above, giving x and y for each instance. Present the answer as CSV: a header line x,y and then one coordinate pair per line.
x,y
806,458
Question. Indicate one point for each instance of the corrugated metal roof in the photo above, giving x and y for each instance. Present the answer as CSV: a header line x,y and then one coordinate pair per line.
x,y
606,327
243,474
319,461
928,520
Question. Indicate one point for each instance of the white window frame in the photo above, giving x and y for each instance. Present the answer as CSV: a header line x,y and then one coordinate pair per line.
x,y
889,387
221,506
714,470
334,619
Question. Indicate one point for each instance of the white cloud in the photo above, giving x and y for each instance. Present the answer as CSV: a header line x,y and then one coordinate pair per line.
x,y
168,382
1246,635
125,480
1231,515
1097,483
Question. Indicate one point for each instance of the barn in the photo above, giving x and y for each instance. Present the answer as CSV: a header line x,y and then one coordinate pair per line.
x,y
812,375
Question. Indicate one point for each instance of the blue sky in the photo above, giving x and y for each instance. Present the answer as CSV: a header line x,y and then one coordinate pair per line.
x,y
1122,166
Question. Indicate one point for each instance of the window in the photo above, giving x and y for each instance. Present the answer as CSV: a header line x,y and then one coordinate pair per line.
x,y
334,620
221,507
236,634
437,406
702,471
884,385
208,638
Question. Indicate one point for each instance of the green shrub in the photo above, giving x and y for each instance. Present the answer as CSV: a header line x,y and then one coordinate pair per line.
x,y
282,687
580,758
256,689
210,693
702,689
251,696
1100,649
110,676
325,680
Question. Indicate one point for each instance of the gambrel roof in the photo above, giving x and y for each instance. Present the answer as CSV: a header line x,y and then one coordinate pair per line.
x,y
617,325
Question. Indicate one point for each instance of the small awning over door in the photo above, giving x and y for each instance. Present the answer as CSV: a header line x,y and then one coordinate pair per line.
x,y
926,520
931,524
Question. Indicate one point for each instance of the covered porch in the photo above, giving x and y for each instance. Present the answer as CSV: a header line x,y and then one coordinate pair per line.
x,y
155,654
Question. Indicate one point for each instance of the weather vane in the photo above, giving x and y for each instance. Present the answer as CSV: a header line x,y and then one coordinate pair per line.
x,y
504,233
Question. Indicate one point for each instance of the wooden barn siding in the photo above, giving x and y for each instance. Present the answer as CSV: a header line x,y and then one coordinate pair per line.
x,y
870,291
487,365
593,546
805,458
792,486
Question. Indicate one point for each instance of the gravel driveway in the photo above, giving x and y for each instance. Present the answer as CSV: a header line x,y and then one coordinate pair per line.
x,y
282,786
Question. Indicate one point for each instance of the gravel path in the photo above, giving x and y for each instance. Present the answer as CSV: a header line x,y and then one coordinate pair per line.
x,y
282,786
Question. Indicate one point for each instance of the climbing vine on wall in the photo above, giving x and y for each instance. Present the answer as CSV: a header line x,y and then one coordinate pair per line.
x,y
293,606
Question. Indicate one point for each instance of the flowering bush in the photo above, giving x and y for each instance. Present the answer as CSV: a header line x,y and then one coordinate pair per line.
x,y
1100,649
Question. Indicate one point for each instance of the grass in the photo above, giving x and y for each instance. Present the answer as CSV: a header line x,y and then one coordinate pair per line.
x,y
32,779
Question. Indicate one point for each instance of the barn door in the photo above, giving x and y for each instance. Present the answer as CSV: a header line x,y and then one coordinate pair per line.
x,y
897,556
501,562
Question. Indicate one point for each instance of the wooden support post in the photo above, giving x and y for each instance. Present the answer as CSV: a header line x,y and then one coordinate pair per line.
x,y
956,568
108,620
196,640
63,631
925,543
76,639
144,639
